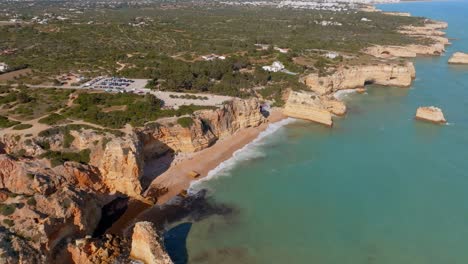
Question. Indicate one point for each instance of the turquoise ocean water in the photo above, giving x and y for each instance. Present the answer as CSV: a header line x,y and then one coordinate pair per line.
x,y
378,188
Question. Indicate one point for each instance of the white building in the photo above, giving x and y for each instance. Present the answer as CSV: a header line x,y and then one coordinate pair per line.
x,y
3,67
281,50
275,67
213,57
332,55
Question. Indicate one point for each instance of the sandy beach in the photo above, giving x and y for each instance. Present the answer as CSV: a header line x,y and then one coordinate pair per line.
x,y
177,178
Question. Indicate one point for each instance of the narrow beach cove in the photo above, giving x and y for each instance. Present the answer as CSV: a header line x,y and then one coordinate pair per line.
x,y
379,187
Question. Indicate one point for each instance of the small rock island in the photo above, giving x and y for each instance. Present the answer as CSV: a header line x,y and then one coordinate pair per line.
x,y
459,58
431,114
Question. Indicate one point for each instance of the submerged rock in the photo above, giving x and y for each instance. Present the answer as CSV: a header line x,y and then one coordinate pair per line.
x,y
431,113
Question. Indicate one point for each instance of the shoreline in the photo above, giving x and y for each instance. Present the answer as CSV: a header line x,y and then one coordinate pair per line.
x,y
176,179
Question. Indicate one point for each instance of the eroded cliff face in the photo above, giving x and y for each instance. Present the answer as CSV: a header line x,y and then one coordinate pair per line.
x,y
232,117
116,160
311,106
208,126
431,32
147,246
352,77
158,139
46,201
42,207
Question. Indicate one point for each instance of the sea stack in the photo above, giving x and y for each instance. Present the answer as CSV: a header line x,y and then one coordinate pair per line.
x,y
459,58
431,114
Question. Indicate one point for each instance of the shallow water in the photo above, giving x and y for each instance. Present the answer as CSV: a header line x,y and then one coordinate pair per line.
x,y
378,188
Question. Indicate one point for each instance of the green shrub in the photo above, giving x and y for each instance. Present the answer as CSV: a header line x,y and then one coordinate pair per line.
x,y
52,119
31,201
8,222
5,122
7,209
22,127
58,158
185,122
67,139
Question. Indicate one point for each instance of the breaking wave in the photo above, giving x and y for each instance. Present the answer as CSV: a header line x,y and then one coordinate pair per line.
x,y
247,152
341,94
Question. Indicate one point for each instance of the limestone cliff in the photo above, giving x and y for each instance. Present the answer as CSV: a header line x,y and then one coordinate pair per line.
x,y
207,127
116,160
42,207
459,58
430,32
351,77
308,106
147,246
54,190
232,117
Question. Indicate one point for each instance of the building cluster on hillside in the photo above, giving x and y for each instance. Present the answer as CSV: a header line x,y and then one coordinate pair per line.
x,y
325,23
213,57
140,21
326,5
47,17
267,46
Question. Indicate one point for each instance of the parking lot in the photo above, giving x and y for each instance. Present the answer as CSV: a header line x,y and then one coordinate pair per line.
x,y
115,84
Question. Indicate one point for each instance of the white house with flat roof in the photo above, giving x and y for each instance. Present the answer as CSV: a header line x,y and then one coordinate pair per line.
x,y
275,67
3,67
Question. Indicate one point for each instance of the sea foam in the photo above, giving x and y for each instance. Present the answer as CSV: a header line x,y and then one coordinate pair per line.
x,y
341,94
247,152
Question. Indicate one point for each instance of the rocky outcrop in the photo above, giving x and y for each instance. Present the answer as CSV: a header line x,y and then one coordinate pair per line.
x,y
430,32
107,249
352,77
409,51
207,127
459,58
310,106
121,165
158,138
232,117
17,250
47,199
147,246
43,207
405,14
431,114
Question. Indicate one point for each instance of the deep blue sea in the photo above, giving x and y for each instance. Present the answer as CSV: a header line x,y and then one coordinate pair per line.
x,y
377,188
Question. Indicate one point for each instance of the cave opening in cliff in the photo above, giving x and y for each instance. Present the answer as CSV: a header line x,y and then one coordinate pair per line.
x,y
369,82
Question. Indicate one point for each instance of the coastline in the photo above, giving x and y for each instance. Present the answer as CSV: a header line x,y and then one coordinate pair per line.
x,y
176,179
